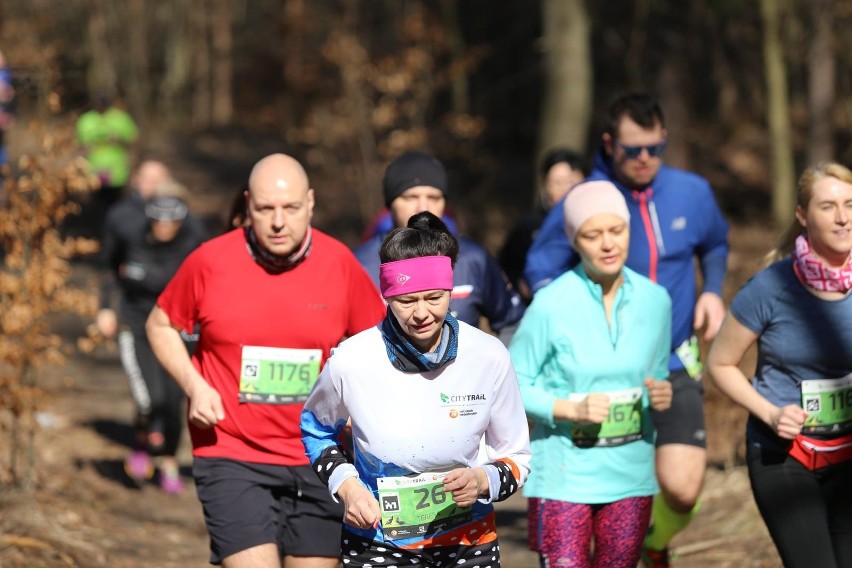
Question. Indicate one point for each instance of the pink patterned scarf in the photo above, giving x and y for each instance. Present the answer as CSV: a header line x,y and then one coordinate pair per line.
x,y
813,272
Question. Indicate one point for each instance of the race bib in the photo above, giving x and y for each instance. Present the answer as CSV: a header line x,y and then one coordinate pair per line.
x,y
688,352
274,375
828,403
417,506
622,426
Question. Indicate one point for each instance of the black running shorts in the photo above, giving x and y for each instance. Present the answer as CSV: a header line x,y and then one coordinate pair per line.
x,y
249,504
683,423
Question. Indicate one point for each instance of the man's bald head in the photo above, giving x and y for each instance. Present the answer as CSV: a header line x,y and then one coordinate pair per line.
x,y
278,170
150,175
280,203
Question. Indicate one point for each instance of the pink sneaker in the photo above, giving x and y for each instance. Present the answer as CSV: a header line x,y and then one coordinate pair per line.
x,y
170,482
138,466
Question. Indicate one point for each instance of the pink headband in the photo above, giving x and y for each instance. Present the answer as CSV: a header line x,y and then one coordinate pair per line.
x,y
415,275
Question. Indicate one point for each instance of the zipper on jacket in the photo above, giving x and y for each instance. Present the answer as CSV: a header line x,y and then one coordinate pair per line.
x,y
658,233
613,325
647,223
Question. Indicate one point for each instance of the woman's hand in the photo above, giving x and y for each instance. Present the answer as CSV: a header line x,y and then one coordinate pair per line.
x,y
659,393
593,409
361,508
466,484
788,421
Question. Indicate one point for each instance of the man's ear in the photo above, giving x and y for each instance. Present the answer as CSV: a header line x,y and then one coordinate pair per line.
x,y
608,143
311,201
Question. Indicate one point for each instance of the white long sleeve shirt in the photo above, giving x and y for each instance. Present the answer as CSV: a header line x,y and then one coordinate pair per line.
x,y
412,423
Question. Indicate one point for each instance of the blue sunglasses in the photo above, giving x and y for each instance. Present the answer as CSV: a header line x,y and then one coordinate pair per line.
x,y
633,152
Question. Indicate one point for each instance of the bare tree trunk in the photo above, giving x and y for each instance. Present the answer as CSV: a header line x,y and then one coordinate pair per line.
x,y
636,45
459,85
568,62
138,64
673,100
778,116
223,75
102,75
26,477
178,60
202,82
821,84
294,41
359,107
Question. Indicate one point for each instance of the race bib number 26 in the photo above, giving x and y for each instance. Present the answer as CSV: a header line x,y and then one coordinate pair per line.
x,y
418,506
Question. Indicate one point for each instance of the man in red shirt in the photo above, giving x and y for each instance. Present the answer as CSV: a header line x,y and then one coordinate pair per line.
x,y
271,300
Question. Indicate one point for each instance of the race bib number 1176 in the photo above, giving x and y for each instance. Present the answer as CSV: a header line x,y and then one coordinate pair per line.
x,y
274,375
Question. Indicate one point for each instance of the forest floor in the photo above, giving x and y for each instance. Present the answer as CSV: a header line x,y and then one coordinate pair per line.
x,y
84,512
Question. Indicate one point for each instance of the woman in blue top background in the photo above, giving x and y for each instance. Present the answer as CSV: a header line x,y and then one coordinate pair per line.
x,y
799,434
590,370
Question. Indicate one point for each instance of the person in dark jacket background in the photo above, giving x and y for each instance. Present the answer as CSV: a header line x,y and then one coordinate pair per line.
x,y
149,236
560,170
416,182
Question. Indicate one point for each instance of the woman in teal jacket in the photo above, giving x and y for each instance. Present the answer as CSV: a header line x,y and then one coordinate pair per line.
x,y
591,355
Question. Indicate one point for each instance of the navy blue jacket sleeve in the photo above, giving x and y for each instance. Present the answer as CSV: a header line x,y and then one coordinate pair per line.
x,y
550,254
712,251
501,303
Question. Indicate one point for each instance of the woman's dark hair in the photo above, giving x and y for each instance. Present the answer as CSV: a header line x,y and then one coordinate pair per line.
x,y
238,212
425,235
641,108
559,155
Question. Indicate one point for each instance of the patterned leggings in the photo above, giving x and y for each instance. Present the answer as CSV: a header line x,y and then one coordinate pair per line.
x,y
562,532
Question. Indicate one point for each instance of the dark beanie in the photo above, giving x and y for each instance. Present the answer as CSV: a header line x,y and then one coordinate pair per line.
x,y
410,170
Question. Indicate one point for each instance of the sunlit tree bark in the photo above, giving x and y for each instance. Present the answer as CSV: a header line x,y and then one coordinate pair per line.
x,y
821,83
458,84
778,116
567,103
178,56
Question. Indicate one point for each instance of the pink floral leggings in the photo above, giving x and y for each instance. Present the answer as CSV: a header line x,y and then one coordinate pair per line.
x,y
562,532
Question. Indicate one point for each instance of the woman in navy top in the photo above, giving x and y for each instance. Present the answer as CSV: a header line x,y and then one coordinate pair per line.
x,y
799,434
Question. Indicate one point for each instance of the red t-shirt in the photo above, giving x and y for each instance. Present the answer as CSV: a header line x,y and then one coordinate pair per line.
x,y
237,303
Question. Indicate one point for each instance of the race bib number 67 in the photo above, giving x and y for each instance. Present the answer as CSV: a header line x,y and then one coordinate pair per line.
x,y
274,375
622,426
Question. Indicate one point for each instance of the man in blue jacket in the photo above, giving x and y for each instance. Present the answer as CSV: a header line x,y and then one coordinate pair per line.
x,y
677,220
416,182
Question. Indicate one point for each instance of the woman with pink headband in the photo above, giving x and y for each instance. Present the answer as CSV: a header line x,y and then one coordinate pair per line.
x,y
422,390
592,356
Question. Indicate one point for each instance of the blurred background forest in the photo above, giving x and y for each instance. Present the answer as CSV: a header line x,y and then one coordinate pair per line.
x,y
752,90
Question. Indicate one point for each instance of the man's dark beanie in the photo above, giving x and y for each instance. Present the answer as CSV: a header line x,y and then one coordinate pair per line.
x,y
410,170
